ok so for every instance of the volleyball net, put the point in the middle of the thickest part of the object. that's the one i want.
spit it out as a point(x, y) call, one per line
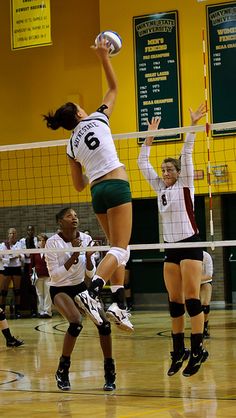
point(36, 182)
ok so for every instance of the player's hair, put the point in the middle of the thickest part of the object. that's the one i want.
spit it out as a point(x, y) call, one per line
point(43, 236)
point(61, 213)
point(176, 162)
point(65, 117)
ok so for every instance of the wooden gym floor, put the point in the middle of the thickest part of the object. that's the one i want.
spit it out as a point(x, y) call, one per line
point(28, 388)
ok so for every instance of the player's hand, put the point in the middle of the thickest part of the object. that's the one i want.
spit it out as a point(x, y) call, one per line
point(102, 48)
point(90, 253)
point(198, 114)
point(152, 126)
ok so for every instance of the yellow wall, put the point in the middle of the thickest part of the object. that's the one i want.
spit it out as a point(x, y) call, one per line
point(36, 80)
point(39, 79)
point(192, 20)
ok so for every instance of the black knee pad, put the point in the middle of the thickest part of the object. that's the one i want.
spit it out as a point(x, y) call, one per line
point(104, 329)
point(3, 293)
point(206, 309)
point(74, 329)
point(176, 309)
point(16, 292)
point(193, 307)
point(127, 286)
point(2, 315)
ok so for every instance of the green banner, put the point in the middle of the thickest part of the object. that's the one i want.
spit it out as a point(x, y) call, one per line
point(157, 70)
point(221, 23)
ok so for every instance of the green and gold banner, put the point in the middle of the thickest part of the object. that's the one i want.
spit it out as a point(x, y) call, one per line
point(30, 23)
point(157, 70)
point(221, 24)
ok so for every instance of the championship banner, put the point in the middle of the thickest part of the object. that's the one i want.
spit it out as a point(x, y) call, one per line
point(30, 23)
point(157, 70)
point(221, 24)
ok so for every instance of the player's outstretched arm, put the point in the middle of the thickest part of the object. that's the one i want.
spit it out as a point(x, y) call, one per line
point(102, 51)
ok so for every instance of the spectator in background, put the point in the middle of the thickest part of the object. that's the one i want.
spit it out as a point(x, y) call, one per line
point(12, 264)
point(206, 289)
point(30, 241)
point(41, 284)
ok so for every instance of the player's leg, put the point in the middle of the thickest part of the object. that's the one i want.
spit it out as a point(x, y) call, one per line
point(16, 280)
point(10, 340)
point(205, 296)
point(173, 283)
point(4, 286)
point(116, 224)
point(106, 346)
point(191, 271)
point(67, 308)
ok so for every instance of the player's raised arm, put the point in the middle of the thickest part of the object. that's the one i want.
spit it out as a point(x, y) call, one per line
point(102, 51)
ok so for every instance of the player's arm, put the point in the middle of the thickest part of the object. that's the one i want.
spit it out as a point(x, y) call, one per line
point(79, 179)
point(143, 159)
point(187, 169)
point(102, 51)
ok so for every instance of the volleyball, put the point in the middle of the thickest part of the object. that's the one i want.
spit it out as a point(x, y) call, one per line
point(113, 39)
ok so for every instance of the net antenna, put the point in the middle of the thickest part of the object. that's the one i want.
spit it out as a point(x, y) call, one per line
point(207, 132)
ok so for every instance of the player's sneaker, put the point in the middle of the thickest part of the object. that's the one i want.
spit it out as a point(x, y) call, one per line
point(62, 378)
point(14, 342)
point(195, 361)
point(90, 306)
point(110, 375)
point(120, 317)
point(177, 361)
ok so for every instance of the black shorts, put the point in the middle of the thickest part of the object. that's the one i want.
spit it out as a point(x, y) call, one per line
point(176, 255)
point(12, 271)
point(71, 291)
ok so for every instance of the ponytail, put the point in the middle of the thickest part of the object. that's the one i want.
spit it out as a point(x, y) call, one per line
point(66, 117)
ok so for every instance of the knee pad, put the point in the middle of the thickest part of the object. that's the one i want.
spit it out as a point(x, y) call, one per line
point(127, 286)
point(105, 328)
point(16, 292)
point(127, 257)
point(121, 255)
point(193, 307)
point(176, 309)
point(206, 309)
point(2, 315)
point(4, 293)
point(74, 329)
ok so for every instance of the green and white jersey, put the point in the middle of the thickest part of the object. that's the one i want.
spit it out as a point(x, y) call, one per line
point(92, 145)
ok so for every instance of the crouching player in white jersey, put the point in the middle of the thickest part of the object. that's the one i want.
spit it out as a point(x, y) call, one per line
point(206, 290)
point(91, 147)
point(182, 267)
point(67, 272)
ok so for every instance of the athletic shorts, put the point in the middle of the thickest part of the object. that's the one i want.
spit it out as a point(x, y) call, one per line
point(109, 194)
point(71, 291)
point(176, 255)
point(12, 271)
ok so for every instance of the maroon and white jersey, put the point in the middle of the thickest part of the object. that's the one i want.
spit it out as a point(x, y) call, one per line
point(175, 203)
point(92, 145)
